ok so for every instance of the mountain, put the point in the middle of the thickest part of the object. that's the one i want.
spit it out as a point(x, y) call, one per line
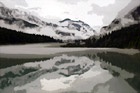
point(76, 25)
point(78, 29)
point(127, 37)
point(131, 5)
point(24, 21)
point(20, 19)
point(123, 32)
point(132, 17)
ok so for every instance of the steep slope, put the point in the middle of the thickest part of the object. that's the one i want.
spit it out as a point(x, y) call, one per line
point(128, 37)
point(123, 32)
point(132, 4)
point(82, 28)
point(132, 17)
point(76, 25)
point(19, 19)
point(26, 22)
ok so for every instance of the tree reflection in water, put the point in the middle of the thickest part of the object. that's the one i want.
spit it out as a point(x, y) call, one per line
point(88, 72)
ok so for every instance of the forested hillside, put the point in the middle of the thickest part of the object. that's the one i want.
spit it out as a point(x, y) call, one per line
point(128, 37)
point(13, 37)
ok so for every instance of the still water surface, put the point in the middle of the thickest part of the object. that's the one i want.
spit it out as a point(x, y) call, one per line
point(79, 72)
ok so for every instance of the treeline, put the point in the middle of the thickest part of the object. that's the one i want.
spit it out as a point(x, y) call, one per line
point(128, 37)
point(13, 37)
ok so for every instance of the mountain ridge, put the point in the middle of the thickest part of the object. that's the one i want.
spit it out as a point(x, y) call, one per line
point(23, 21)
point(132, 17)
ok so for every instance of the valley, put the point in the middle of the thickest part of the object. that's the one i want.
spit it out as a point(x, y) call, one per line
point(69, 46)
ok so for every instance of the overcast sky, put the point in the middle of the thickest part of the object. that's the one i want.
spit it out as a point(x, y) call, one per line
point(93, 12)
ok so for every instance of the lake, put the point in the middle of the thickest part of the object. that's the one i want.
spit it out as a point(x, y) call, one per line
point(88, 71)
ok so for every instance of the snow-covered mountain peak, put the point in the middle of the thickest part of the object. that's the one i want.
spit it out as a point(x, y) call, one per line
point(77, 25)
point(26, 22)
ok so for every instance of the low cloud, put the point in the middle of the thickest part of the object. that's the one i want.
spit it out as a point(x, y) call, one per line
point(72, 1)
point(108, 12)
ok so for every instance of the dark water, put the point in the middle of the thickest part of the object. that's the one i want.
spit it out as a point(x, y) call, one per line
point(81, 72)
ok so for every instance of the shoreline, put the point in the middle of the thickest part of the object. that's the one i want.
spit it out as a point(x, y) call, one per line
point(47, 51)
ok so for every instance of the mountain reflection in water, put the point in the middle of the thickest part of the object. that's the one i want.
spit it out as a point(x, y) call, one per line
point(83, 72)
